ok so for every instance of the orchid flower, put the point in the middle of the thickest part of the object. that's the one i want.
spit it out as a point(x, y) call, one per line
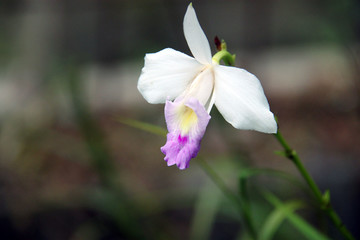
point(190, 87)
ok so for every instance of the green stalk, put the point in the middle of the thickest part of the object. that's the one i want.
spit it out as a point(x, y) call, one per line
point(323, 200)
point(292, 155)
point(224, 55)
point(246, 207)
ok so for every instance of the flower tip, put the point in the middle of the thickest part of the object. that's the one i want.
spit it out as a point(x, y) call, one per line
point(190, 10)
point(268, 125)
point(181, 167)
point(190, 7)
point(274, 131)
point(274, 128)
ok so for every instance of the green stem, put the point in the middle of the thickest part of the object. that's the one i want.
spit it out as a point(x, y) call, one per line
point(246, 206)
point(292, 155)
point(224, 55)
point(244, 211)
point(324, 203)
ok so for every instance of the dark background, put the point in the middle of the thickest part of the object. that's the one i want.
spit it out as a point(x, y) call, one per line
point(68, 71)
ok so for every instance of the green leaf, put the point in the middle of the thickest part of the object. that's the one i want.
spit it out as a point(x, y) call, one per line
point(280, 153)
point(326, 196)
point(205, 210)
point(325, 199)
point(298, 222)
point(251, 172)
point(147, 127)
point(276, 218)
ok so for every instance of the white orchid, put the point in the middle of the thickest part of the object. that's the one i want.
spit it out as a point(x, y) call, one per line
point(190, 87)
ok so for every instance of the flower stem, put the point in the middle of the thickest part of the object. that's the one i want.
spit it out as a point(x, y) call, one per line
point(244, 211)
point(292, 155)
point(323, 201)
point(224, 55)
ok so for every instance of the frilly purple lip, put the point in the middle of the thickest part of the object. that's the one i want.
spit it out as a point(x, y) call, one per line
point(180, 148)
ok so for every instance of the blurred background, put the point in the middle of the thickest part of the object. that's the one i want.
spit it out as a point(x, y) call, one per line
point(68, 72)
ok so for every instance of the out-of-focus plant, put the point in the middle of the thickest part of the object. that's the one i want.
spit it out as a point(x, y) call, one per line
point(109, 198)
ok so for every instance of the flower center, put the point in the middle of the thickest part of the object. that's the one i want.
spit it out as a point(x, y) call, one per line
point(187, 119)
point(201, 87)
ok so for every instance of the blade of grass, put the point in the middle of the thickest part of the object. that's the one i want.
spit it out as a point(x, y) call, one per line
point(147, 127)
point(205, 212)
point(230, 195)
point(276, 218)
point(244, 197)
point(244, 175)
point(306, 229)
point(251, 172)
point(116, 206)
point(101, 159)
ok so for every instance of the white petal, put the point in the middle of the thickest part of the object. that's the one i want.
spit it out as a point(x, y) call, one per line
point(201, 87)
point(240, 98)
point(211, 103)
point(166, 74)
point(195, 37)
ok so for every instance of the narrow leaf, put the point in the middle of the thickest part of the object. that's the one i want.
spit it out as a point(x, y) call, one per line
point(326, 199)
point(280, 153)
point(147, 127)
point(276, 218)
point(205, 211)
point(251, 172)
point(306, 229)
